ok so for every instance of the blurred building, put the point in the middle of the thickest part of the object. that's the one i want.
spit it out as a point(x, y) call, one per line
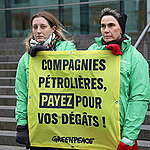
point(78, 16)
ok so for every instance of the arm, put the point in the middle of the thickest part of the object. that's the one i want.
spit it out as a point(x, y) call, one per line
point(137, 103)
point(138, 98)
point(21, 90)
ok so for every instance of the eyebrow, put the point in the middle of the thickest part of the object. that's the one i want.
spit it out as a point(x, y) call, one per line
point(106, 24)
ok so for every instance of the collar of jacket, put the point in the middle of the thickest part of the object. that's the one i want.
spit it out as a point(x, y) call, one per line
point(125, 44)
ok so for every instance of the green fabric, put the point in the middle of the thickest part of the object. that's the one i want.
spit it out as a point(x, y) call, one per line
point(134, 87)
point(21, 84)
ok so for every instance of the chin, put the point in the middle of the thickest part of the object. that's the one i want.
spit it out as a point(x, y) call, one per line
point(40, 40)
point(108, 40)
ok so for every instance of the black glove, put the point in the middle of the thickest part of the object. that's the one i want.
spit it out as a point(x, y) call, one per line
point(37, 48)
point(22, 136)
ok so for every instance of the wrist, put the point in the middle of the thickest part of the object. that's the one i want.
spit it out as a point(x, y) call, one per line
point(127, 141)
point(21, 128)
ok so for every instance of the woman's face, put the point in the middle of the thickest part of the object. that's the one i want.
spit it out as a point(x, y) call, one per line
point(110, 28)
point(41, 30)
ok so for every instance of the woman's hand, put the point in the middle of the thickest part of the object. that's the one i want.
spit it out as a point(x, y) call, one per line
point(115, 48)
point(22, 136)
point(37, 48)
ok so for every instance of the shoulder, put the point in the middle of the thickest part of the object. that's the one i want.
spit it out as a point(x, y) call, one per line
point(130, 50)
point(24, 60)
point(24, 56)
point(93, 46)
point(65, 45)
point(135, 53)
point(97, 45)
point(136, 57)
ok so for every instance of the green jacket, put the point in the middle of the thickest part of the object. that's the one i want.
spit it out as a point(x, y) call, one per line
point(134, 87)
point(21, 84)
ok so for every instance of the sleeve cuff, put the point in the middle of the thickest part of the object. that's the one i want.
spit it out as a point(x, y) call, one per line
point(127, 141)
point(22, 122)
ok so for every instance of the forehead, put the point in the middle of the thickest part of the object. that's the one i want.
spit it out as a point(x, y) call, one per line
point(109, 19)
point(39, 20)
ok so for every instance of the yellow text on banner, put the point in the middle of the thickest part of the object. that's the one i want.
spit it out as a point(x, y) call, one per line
point(73, 100)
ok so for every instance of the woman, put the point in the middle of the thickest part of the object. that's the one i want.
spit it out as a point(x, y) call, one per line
point(134, 82)
point(46, 35)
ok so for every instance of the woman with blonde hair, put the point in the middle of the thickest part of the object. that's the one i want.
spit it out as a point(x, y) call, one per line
point(46, 34)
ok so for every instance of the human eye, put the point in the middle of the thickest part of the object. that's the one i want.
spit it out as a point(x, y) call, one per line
point(111, 25)
point(43, 26)
point(34, 27)
point(102, 25)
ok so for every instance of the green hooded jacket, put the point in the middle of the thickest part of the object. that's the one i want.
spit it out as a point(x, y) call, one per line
point(21, 84)
point(134, 87)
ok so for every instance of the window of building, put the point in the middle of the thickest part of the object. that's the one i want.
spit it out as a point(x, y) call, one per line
point(78, 17)
point(20, 1)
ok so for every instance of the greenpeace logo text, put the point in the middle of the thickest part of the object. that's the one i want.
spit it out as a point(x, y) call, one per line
point(84, 140)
